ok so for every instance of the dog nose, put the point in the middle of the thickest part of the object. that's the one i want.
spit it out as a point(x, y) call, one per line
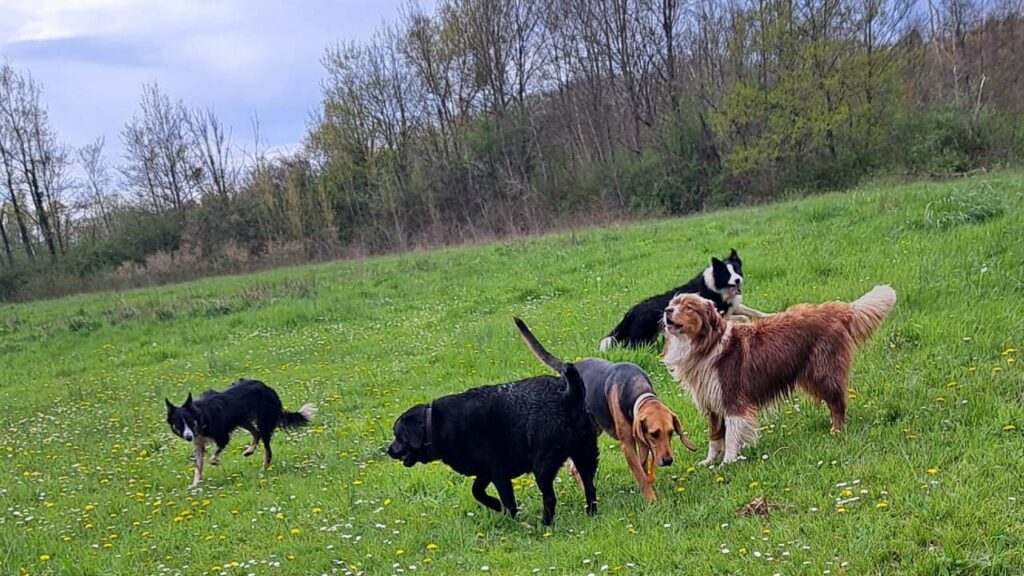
point(187, 436)
point(666, 461)
point(670, 310)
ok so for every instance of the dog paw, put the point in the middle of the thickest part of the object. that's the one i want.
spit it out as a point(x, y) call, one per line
point(248, 452)
point(214, 461)
point(591, 508)
point(707, 461)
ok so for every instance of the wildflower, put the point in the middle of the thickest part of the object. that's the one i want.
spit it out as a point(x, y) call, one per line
point(294, 531)
point(1009, 428)
point(399, 552)
point(44, 557)
point(357, 482)
point(317, 510)
point(387, 501)
point(754, 484)
point(431, 546)
point(933, 471)
point(881, 505)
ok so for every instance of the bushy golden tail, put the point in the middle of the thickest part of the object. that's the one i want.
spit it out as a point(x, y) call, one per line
point(870, 310)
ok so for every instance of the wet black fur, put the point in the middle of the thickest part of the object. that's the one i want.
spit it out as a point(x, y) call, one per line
point(248, 404)
point(497, 433)
point(641, 325)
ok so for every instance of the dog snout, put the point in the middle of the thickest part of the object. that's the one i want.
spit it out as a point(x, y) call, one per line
point(666, 461)
point(188, 436)
point(670, 310)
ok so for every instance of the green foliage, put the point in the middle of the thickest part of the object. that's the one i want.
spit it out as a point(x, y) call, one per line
point(97, 484)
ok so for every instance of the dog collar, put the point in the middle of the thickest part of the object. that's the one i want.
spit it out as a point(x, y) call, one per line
point(640, 399)
point(430, 426)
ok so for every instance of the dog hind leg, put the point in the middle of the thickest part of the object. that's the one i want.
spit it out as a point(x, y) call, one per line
point(586, 467)
point(739, 431)
point(545, 482)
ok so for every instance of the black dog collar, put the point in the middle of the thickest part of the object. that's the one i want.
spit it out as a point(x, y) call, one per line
point(430, 426)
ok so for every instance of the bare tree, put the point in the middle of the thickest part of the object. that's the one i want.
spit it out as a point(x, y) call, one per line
point(97, 198)
point(158, 165)
point(210, 142)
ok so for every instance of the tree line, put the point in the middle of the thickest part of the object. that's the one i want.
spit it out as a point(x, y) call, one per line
point(486, 118)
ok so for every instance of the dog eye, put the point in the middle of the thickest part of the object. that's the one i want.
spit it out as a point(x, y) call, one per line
point(655, 434)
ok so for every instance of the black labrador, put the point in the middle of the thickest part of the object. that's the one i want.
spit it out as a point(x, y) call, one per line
point(499, 432)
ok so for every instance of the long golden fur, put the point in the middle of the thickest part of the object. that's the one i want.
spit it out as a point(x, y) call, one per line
point(732, 370)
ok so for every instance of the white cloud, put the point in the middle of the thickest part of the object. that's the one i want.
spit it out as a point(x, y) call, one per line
point(236, 56)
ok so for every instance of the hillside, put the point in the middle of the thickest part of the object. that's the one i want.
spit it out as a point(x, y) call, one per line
point(925, 478)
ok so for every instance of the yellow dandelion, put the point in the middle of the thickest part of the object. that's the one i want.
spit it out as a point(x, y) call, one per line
point(279, 516)
point(431, 546)
point(357, 482)
point(317, 510)
point(44, 557)
point(91, 507)
point(845, 493)
point(754, 484)
point(547, 534)
point(719, 479)
point(933, 471)
point(280, 537)
point(680, 489)
point(881, 505)
point(387, 501)
point(290, 556)
point(294, 531)
point(1009, 428)
point(840, 510)
point(399, 552)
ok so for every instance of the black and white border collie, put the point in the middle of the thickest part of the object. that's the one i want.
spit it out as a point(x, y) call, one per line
point(721, 283)
point(248, 404)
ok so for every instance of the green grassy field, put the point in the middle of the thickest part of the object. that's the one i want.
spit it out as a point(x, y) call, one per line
point(925, 478)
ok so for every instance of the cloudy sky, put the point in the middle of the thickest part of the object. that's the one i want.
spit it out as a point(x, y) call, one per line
point(238, 56)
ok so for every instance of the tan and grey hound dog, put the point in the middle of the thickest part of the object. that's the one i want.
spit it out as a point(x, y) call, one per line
point(621, 401)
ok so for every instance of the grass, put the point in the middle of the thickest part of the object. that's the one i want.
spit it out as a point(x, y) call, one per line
point(925, 478)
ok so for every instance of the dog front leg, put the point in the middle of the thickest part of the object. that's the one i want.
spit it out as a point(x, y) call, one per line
point(200, 452)
point(716, 438)
point(480, 493)
point(570, 468)
point(636, 466)
point(744, 310)
point(507, 495)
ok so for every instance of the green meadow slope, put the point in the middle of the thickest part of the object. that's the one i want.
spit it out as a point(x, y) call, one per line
point(925, 478)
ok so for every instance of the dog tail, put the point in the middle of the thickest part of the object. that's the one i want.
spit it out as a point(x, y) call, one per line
point(543, 355)
point(869, 310)
point(575, 389)
point(300, 418)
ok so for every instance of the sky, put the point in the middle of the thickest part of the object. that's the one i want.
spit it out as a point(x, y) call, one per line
point(240, 57)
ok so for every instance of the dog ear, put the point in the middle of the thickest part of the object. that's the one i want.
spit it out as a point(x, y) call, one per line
point(416, 431)
point(188, 401)
point(733, 255)
point(639, 429)
point(716, 262)
point(678, 426)
point(170, 407)
point(708, 319)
